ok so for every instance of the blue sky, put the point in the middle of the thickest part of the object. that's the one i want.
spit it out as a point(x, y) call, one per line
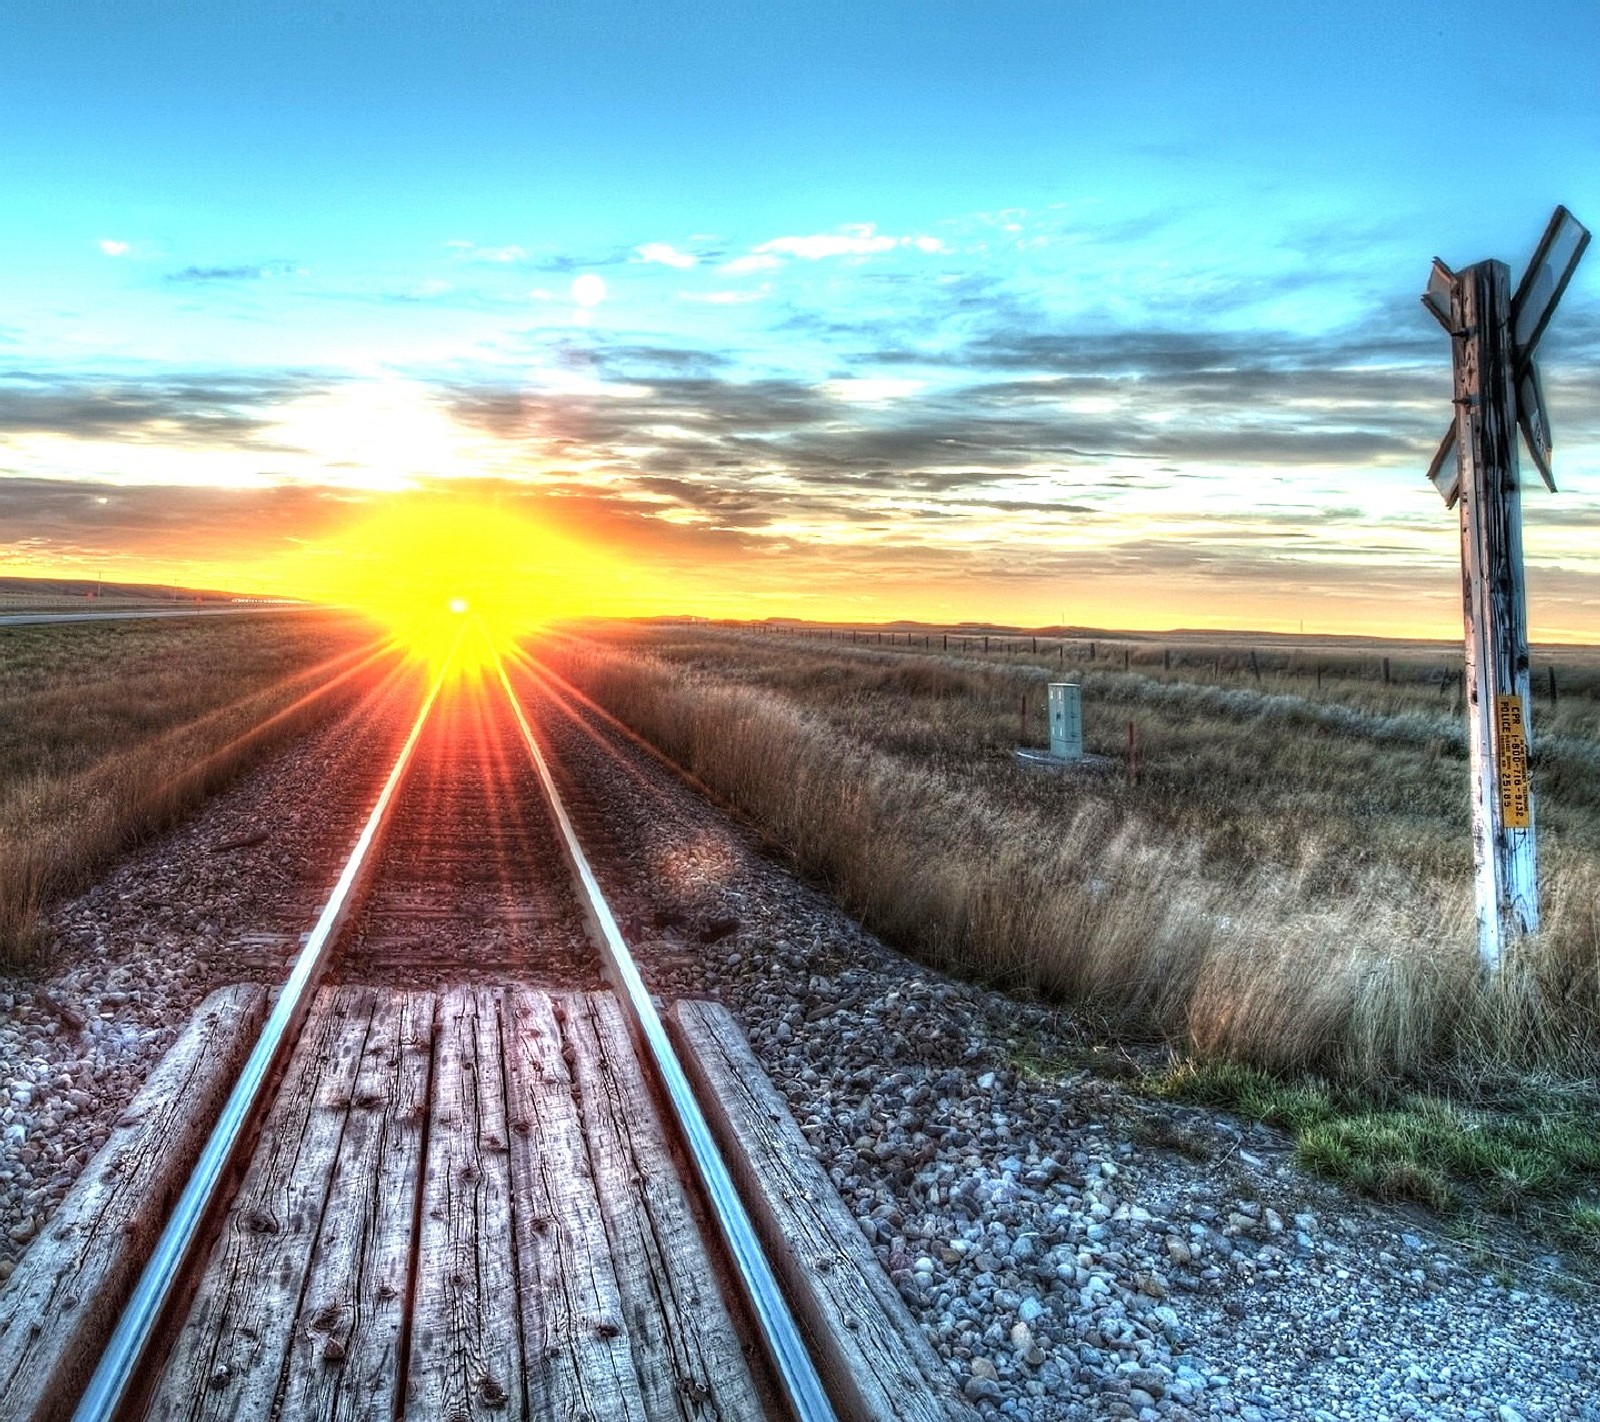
point(994, 310)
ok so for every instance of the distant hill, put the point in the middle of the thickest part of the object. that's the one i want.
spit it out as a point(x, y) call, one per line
point(91, 589)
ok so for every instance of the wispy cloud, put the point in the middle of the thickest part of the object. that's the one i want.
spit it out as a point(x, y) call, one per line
point(252, 271)
point(199, 409)
point(853, 240)
point(752, 262)
point(667, 256)
point(112, 247)
point(1022, 389)
point(76, 520)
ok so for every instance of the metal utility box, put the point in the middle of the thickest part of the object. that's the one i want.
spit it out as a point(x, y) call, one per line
point(1066, 720)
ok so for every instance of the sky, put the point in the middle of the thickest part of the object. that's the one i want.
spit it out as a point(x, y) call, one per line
point(1099, 314)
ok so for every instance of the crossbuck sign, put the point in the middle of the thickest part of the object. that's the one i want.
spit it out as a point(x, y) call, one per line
point(1493, 336)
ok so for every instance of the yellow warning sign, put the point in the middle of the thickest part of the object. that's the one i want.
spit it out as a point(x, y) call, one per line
point(1516, 809)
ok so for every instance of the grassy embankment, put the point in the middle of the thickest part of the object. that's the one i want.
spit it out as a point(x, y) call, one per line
point(1283, 893)
point(111, 730)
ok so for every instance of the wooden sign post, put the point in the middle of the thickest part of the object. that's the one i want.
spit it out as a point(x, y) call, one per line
point(1493, 335)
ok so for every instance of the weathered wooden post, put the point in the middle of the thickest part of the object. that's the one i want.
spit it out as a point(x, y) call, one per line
point(1493, 335)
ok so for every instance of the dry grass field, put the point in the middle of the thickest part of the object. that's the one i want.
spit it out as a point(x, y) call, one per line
point(1279, 888)
point(111, 730)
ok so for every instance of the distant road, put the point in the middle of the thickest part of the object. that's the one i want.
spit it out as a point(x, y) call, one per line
point(122, 614)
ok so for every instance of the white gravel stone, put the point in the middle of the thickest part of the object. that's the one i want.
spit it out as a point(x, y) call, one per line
point(1148, 1282)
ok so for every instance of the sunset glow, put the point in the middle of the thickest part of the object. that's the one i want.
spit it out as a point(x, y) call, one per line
point(838, 315)
point(425, 566)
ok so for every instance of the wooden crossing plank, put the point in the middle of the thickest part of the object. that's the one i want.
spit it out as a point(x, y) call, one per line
point(874, 1358)
point(689, 1360)
point(579, 1353)
point(466, 1344)
point(229, 1356)
point(345, 1361)
point(62, 1303)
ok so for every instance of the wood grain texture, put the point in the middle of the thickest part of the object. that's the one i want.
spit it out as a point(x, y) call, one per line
point(59, 1308)
point(345, 1361)
point(1494, 600)
point(580, 1362)
point(229, 1357)
point(876, 1363)
point(466, 1345)
point(690, 1362)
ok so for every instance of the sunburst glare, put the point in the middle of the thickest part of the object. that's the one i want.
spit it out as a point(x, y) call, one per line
point(455, 575)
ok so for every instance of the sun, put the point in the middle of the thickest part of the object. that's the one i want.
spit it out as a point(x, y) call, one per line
point(453, 576)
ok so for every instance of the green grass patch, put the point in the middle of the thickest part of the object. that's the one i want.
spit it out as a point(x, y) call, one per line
point(1533, 1154)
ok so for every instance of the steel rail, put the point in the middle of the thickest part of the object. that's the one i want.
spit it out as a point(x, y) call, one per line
point(108, 1388)
point(780, 1332)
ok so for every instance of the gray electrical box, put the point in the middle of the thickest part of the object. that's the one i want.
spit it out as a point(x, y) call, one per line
point(1066, 720)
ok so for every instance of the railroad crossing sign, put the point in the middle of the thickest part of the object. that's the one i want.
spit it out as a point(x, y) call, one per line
point(1493, 336)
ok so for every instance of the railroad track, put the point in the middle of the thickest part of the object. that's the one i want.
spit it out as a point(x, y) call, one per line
point(463, 1171)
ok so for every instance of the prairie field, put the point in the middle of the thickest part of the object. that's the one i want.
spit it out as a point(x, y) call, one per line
point(110, 730)
point(1275, 886)
point(1282, 876)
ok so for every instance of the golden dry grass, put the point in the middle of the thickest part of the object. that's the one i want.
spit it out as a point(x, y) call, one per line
point(110, 731)
point(1288, 882)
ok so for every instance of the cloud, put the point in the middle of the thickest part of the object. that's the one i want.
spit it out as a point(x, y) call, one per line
point(204, 409)
point(260, 271)
point(666, 255)
point(113, 248)
point(752, 263)
point(866, 390)
point(72, 519)
point(854, 240)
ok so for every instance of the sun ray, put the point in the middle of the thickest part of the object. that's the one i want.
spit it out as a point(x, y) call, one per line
point(455, 574)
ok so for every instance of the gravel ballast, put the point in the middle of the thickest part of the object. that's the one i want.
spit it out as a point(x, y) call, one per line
point(1070, 1248)
point(222, 898)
